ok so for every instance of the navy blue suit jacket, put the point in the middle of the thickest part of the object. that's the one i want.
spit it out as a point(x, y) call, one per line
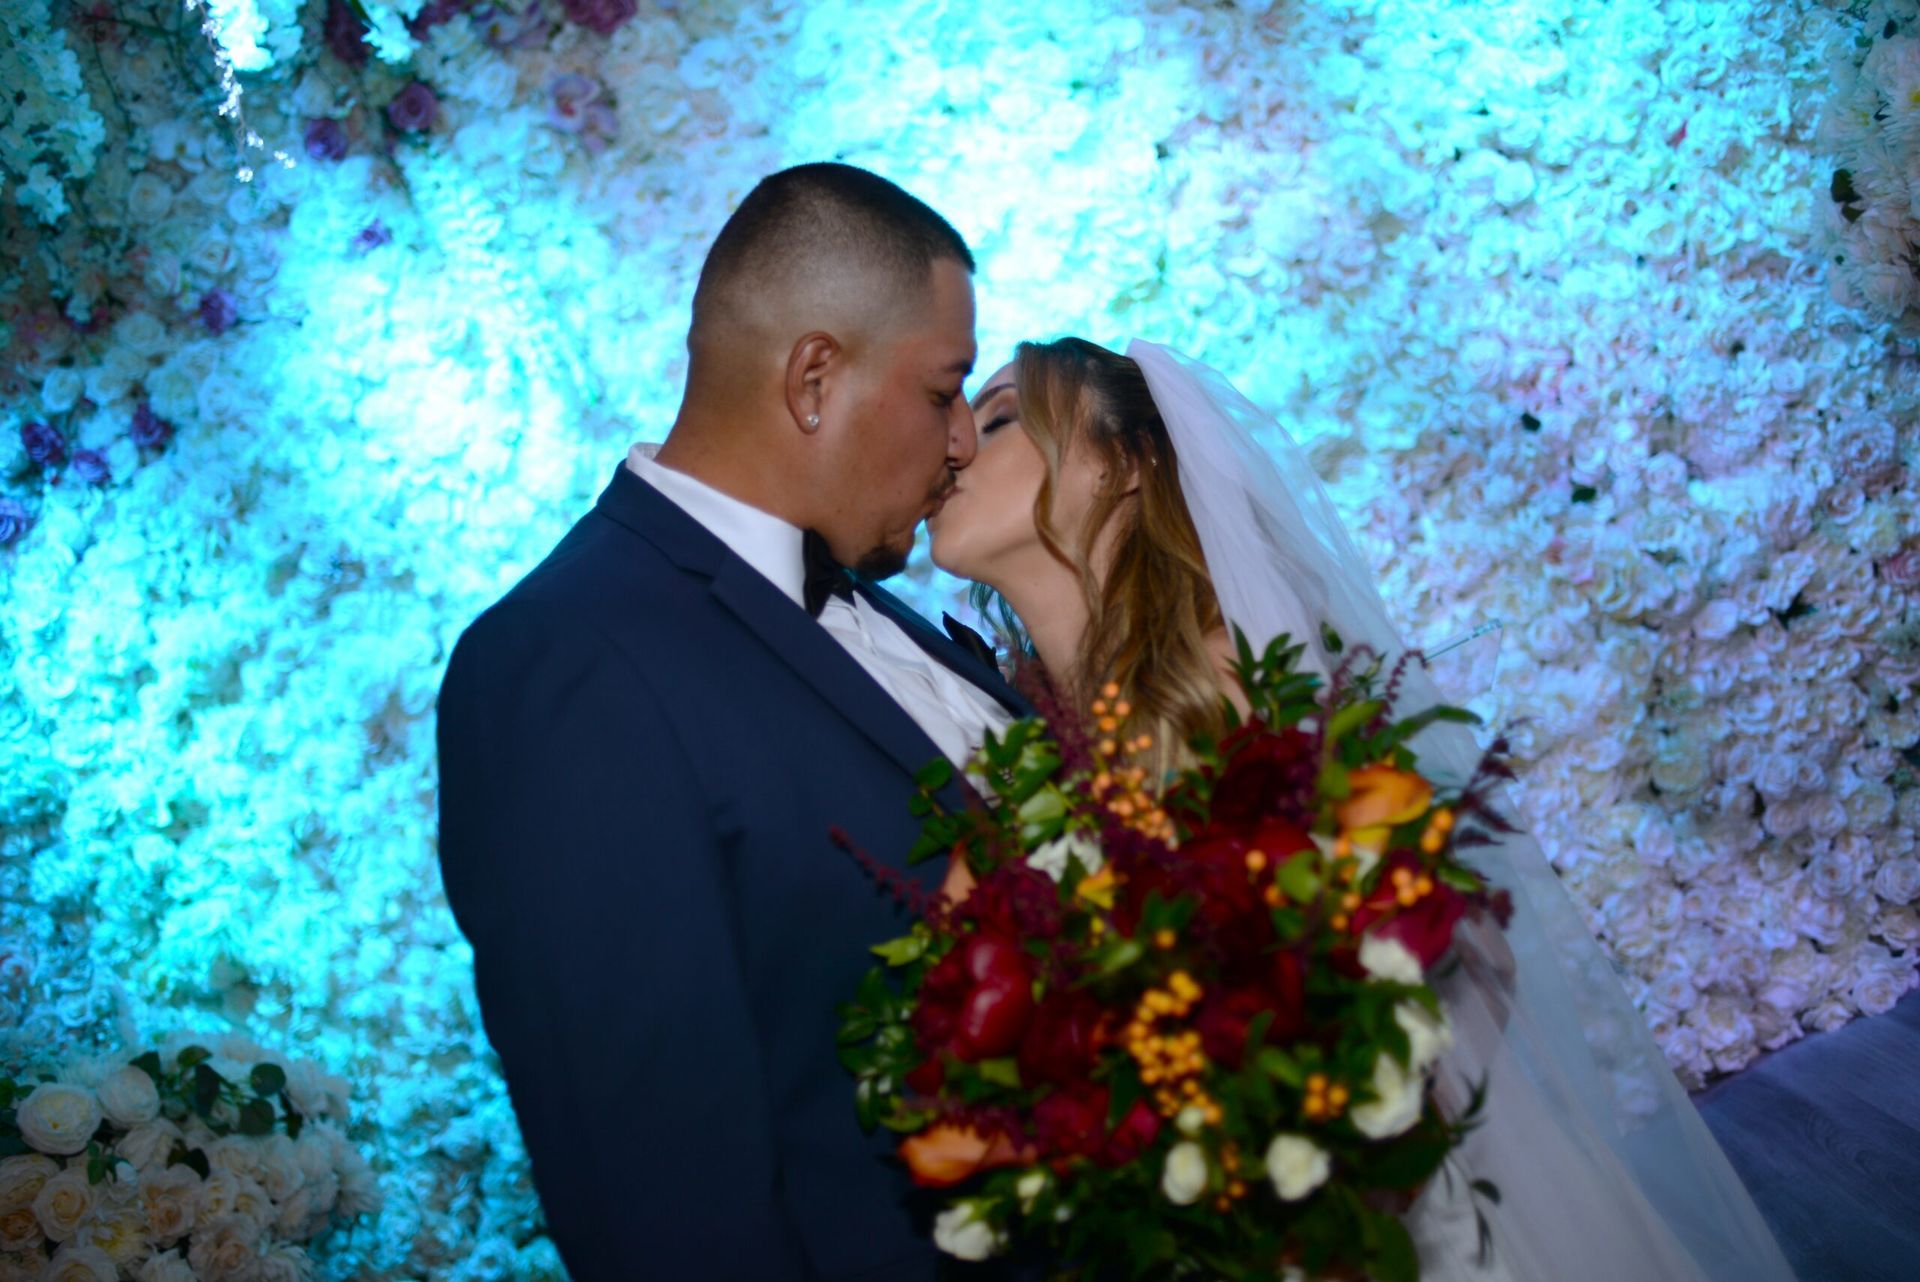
point(643, 747)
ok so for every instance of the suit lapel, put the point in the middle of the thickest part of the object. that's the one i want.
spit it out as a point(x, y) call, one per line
point(797, 640)
point(947, 651)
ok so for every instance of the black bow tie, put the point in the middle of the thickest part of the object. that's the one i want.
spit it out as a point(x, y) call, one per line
point(970, 641)
point(825, 577)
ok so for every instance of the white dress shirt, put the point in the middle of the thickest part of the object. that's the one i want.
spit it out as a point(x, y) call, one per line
point(955, 713)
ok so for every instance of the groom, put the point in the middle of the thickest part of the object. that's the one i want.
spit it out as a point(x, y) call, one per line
point(644, 745)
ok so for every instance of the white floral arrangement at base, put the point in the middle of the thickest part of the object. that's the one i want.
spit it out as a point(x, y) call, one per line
point(188, 1165)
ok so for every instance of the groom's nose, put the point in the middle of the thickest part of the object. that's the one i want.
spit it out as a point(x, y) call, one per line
point(962, 441)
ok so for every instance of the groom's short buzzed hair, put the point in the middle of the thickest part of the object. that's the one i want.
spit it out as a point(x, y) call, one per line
point(819, 220)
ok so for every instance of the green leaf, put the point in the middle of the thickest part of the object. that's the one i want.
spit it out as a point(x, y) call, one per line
point(1297, 877)
point(1406, 1162)
point(935, 775)
point(96, 1170)
point(194, 1055)
point(1281, 1067)
point(148, 1063)
point(901, 951)
point(1331, 639)
point(206, 1088)
point(1393, 1258)
point(268, 1079)
point(1842, 188)
point(192, 1158)
point(294, 1120)
point(1117, 955)
point(1001, 1072)
point(1333, 782)
point(1350, 718)
point(7, 1091)
point(11, 1145)
point(256, 1117)
point(1584, 494)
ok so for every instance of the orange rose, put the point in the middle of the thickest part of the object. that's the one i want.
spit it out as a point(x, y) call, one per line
point(945, 1154)
point(1381, 797)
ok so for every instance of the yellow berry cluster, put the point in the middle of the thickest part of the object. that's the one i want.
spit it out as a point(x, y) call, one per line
point(1410, 888)
point(1124, 788)
point(1325, 1099)
point(1236, 1187)
point(1171, 1063)
point(1439, 824)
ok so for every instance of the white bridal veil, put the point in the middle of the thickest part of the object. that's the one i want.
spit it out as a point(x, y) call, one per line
point(1605, 1170)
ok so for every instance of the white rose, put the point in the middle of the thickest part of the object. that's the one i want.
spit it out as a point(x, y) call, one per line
point(236, 1155)
point(1297, 1166)
point(1395, 1105)
point(1030, 1186)
point(170, 1199)
point(128, 1097)
point(961, 1233)
point(170, 1266)
point(280, 1168)
point(227, 1194)
point(149, 1144)
point(1389, 960)
point(1879, 987)
point(227, 1248)
point(1429, 1036)
point(59, 1118)
point(1898, 881)
point(1184, 1177)
point(316, 1093)
point(148, 199)
point(284, 1263)
point(76, 1263)
point(1051, 858)
point(120, 1231)
point(22, 1268)
point(61, 390)
point(359, 1187)
point(63, 1202)
point(21, 1179)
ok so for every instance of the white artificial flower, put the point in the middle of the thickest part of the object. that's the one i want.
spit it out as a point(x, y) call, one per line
point(1297, 1166)
point(58, 1118)
point(225, 1249)
point(284, 1262)
point(1184, 1177)
point(169, 1266)
point(1397, 1097)
point(170, 1199)
point(77, 1263)
point(1030, 1186)
point(148, 1145)
point(21, 1179)
point(63, 1202)
point(129, 1097)
point(1051, 857)
point(962, 1233)
point(118, 1228)
point(1389, 960)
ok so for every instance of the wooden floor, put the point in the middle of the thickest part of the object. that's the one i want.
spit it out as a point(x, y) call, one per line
point(1826, 1133)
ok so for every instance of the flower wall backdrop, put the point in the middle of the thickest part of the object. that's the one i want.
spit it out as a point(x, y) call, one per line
point(1591, 313)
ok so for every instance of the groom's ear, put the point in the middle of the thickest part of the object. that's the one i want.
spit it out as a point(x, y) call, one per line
point(810, 364)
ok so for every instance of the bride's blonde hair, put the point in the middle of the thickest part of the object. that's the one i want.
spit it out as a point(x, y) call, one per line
point(1150, 618)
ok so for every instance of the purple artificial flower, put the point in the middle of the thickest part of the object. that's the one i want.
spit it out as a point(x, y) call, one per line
point(326, 140)
point(603, 16)
point(218, 311)
point(413, 108)
point(569, 97)
point(345, 34)
point(374, 235)
point(150, 431)
point(91, 467)
point(14, 521)
point(505, 29)
point(44, 444)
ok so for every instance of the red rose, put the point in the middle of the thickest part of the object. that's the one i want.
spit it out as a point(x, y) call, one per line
point(1071, 1123)
point(1136, 1131)
point(928, 1078)
point(1224, 1018)
point(1015, 901)
point(1061, 1041)
point(1268, 773)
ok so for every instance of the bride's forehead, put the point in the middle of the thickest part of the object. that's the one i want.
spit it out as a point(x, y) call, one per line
point(997, 383)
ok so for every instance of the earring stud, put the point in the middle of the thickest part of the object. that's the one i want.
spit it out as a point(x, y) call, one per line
point(813, 420)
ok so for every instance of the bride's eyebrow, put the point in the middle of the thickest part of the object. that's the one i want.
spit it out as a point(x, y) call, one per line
point(990, 393)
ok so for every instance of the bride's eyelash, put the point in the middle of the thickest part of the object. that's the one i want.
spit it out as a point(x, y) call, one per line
point(994, 425)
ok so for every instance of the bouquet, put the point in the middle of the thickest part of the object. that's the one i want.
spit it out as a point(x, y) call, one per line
point(1185, 1030)
point(191, 1164)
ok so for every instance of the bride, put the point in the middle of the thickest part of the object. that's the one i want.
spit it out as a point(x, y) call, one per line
point(1129, 510)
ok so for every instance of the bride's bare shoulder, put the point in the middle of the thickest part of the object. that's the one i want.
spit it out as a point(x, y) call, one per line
point(1220, 646)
